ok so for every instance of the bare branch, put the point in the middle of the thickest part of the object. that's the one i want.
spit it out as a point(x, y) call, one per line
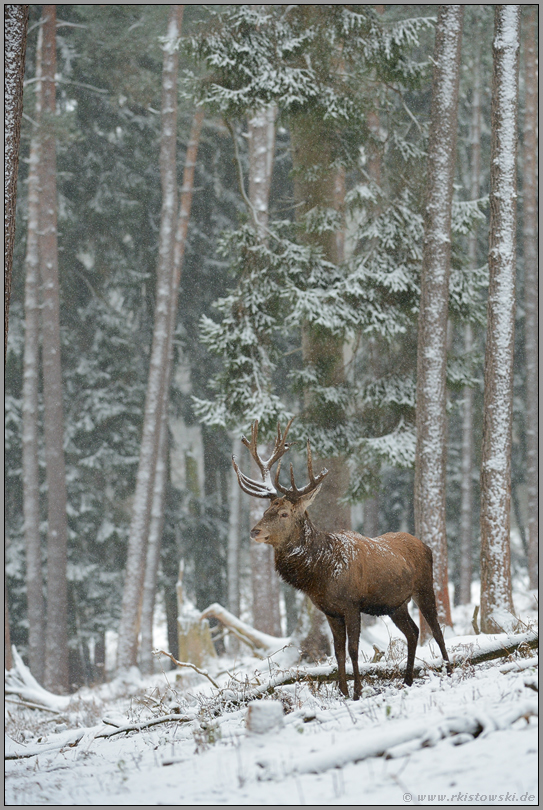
point(189, 665)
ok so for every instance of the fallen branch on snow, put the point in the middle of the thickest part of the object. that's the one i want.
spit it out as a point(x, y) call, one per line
point(383, 742)
point(177, 663)
point(260, 643)
point(19, 681)
point(95, 733)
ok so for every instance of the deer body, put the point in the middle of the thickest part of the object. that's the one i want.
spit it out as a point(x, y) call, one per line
point(345, 573)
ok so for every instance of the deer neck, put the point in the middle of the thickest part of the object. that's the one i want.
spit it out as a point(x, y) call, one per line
point(297, 560)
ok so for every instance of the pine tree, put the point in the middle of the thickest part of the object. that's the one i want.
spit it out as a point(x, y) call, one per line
point(432, 335)
point(30, 437)
point(56, 634)
point(463, 592)
point(496, 597)
point(531, 288)
point(15, 28)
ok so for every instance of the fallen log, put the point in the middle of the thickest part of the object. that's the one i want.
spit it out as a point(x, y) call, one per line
point(482, 648)
point(386, 740)
point(260, 643)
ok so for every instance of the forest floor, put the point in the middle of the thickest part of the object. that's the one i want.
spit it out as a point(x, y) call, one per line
point(469, 738)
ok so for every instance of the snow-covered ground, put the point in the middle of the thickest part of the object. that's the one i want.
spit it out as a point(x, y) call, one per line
point(467, 739)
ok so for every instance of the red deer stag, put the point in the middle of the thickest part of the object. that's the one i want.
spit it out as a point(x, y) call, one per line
point(343, 573)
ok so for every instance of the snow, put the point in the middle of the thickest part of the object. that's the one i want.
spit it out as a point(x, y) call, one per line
point(468, 738)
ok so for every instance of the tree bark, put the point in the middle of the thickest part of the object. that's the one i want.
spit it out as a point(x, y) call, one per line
point(135, 566)
point(264, 579)
point(232, 557)
point(15, 28)
point(152, 561)
point(157, 508)
point(466, 502)
point(431, 421)
point(31, 493)
point(316, 186)
point(56, 636)
point(496, 598)
point(531, 291)
point(466, 494)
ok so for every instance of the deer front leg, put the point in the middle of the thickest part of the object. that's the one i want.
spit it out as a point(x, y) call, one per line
point(339, 634)
point(352, 621)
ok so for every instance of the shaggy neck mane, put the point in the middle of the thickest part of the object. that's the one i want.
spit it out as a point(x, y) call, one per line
point(297, 560)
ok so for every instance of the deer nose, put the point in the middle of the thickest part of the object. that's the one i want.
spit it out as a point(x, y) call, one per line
point(255, 533)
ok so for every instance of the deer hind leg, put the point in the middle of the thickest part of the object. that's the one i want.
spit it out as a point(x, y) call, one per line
point(405, 623)
point(352, 622)
point(427, 606)
point(339, 634)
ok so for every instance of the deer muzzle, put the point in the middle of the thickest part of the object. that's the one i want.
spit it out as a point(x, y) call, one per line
point(256, 535)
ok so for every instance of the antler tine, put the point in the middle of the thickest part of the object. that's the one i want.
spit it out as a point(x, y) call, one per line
point(258, 489)
point(252, 446)
point(310, 462)
point(281, 446)
point(294, 494)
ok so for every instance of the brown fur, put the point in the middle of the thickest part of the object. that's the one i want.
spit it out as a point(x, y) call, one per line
point(345, 574)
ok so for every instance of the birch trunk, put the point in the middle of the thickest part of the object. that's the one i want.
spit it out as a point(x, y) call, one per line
point(531, 291)
point(31, 492)
point(15, 27)
point(56, 636)
point(430, 459)
point(157, 508)
point(264, 579)
point(137, 545)
point(496, 598)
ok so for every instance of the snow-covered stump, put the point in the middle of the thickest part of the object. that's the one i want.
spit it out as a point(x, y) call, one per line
point(264, 716)
point(193, 632)
point(194, 639)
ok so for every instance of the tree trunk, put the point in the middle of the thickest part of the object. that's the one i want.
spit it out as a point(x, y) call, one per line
point(496, 598)
point(531, 289)
point(152, 561)
point(316, 186)
point(139, 528)
point(371, 516)
point(232, 558)
point(463, 597)
point(466, 505)
point(31, 482)
point(430, 459)
point(157, 508)
point(264, 579)
point(56, 636)
point(15, 28)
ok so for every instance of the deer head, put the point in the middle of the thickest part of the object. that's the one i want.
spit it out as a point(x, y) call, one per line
point(280, 519)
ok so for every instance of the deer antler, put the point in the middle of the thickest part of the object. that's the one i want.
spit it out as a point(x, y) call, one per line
point(264, 488)
point(294, 494)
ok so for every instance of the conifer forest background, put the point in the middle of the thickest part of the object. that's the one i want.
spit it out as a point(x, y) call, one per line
point(230, 206)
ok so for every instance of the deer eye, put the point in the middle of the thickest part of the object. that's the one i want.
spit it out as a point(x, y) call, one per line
point(283, 514)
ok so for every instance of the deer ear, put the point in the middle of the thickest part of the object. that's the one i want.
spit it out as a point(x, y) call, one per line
point(308, 499)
